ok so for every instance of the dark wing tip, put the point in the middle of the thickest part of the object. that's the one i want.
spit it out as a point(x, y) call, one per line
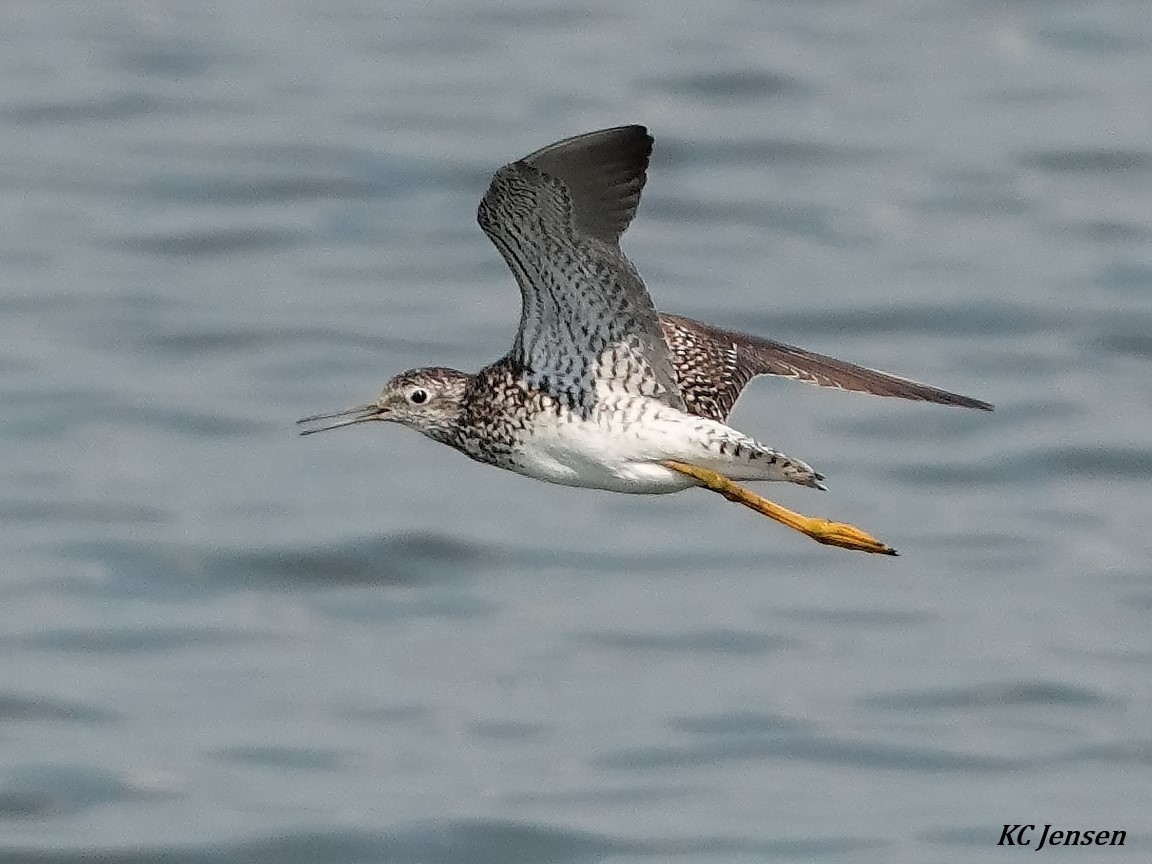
point(763, 356)
point(969, 402)
point(812, 368)
point(602, 145)
point(604, 173)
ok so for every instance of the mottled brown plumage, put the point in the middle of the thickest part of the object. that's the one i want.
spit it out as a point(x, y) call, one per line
point(714, 365)
point(598, 389)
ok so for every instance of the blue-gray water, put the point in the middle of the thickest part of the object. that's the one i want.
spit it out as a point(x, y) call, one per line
point(223, 643)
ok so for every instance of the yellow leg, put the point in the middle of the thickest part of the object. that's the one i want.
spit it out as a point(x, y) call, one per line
point(820, 530)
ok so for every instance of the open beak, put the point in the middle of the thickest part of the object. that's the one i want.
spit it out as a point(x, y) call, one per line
point(359, 414)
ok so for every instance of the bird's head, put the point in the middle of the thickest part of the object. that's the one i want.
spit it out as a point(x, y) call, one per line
point(428, 400)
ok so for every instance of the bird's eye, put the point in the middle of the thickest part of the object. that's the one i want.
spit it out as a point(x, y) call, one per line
point(418, 396)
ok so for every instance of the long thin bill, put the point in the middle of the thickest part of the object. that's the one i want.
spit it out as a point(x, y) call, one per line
point(363, 414)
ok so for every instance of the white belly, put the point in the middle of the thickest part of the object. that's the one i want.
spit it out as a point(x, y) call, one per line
point(622, 446)
point(601, 454)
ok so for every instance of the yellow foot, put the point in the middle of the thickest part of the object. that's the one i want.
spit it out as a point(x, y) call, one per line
point(821, 530)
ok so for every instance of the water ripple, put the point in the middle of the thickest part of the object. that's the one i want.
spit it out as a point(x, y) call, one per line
point(696, 641)
point(124, 106)
point(17, 707)
point(941, 319)
point(1091, 462)
point(487, 841)
point(807, 748)
point(398, 560)
point(100, 512)
point(285, 758)
point(995, 695)
point(404, 559)
point(50, 791)
point(738, 723)
point(1137, 752)
point(742, 84)
point(1090, 161)
point(132, 640)
point(1126, 344)
point(685, 153)
point(212, 242)
point(880, 619)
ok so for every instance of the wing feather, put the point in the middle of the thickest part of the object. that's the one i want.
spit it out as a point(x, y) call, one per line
point(714, 365)
point(586, 318)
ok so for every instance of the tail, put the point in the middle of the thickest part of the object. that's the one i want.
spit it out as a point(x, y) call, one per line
point(740, 457)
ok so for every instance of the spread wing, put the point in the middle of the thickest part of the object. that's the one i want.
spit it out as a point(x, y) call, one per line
point(713, 366)
point(586, 320)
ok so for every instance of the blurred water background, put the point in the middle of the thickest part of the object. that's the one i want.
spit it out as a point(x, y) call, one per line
point(224, 643)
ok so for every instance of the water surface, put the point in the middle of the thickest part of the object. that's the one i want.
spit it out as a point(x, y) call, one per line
point(224, 643)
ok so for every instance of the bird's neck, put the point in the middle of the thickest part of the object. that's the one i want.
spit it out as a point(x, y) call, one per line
point(446, 429)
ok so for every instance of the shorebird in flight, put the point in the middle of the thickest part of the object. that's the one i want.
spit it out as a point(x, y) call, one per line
point(599, 389)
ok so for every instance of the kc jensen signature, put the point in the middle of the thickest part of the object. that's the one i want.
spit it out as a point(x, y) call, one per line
point(1018, 835)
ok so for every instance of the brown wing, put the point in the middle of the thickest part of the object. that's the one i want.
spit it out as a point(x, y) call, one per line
point(713, 366)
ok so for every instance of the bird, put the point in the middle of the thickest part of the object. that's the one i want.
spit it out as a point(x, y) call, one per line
point(599, 390)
